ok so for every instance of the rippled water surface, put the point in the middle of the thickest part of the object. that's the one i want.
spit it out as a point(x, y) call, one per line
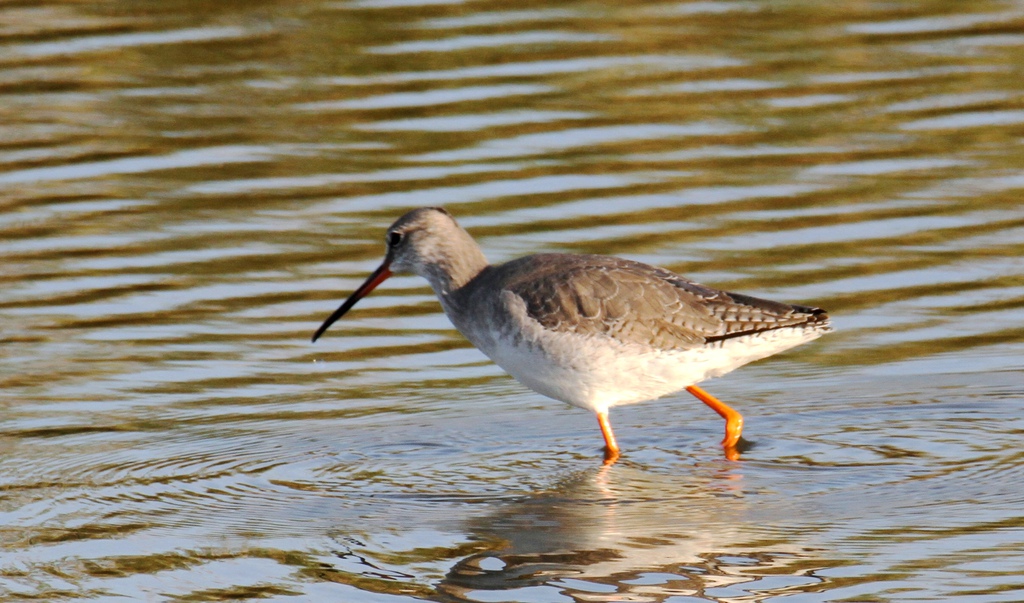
point(188, 188)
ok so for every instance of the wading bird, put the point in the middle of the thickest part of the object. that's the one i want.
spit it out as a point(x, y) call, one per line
point(590, 330)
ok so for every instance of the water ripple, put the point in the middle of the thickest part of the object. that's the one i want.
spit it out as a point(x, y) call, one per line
point(129, 40)
point(191, 190)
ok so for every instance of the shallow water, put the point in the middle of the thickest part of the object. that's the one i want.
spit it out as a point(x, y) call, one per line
point(190, 188)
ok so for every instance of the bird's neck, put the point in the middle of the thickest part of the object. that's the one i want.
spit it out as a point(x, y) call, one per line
point(455, 270)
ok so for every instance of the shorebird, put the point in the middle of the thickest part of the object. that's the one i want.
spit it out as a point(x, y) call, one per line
point(590, 330)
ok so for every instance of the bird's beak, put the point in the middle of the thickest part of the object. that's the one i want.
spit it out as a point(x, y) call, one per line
point(379, 276)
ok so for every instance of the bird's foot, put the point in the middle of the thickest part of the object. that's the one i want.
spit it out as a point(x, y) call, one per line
point(610, 456)
point(734, 446)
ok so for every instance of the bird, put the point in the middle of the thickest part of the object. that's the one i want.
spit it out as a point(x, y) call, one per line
point(593, 331)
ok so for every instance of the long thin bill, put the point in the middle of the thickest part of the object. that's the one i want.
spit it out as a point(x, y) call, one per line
point(379, 276)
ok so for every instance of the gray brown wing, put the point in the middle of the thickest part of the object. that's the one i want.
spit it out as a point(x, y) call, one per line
point(637, 303)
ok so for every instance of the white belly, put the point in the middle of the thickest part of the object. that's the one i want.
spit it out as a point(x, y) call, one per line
point(597, 374)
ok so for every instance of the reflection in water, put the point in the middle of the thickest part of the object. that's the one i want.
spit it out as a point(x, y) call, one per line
point(661, 526)
point(185, 187)
point(591, 538)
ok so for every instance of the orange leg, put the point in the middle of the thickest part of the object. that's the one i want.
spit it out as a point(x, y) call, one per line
point(733, 420)
point(611, 449)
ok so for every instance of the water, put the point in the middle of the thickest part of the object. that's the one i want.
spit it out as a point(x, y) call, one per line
point(190, 188)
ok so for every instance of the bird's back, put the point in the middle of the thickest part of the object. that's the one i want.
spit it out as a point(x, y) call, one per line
point(635, 303)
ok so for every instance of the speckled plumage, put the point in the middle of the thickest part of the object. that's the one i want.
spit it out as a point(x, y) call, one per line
point(637, 303)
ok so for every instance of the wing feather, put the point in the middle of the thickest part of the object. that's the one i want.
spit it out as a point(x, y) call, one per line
point(636, 303)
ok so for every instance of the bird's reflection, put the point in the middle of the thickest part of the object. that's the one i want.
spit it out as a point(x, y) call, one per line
point(621, 531)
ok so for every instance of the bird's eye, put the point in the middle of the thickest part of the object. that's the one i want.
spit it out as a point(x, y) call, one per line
point(394, 238)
